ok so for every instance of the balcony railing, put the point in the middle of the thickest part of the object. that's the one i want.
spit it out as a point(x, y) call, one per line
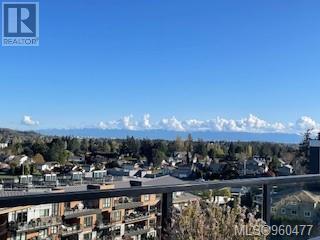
point(75, 213)
point(167, 191)
point(35, 225)
point(103, 225)
point(136, 217)
point(136, 231)
point(70, 230)
point(127, 203)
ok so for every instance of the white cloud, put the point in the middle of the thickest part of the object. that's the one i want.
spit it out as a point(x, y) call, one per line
point(102, 125)
point(128, 122)
point(27, 120)
point(306, 122)
point(194, 124)
point(222, 124)
point(146, 124)
point(251, 123)
point(171, 124)
point(278, 126)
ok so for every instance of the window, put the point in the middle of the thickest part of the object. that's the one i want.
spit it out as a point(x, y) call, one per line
point(50, 178)
point(77, 176)
point(293, 212)
point(273, 209)
point(44, 212)
point(106, 202)
point(152, 223)
point(146, 197)
point(116, 231)
point(22, 217)
point(116, 216)
point(88, 221)
point(30, 179)
point(283, 211)
point(307, 213)
point(43, 233)
point(99, 174)
point(87, 236)
point(54, 230)
point(55, 209)
point(21, 236)
point(67, 205)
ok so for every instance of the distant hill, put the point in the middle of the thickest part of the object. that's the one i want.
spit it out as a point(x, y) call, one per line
point(6, 133)
point(171, 135)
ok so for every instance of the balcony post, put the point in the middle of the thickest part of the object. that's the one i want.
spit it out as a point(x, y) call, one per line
point(166, 208)
point(266, 205)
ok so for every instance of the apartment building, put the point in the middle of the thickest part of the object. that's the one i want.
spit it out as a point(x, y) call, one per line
point(30, 222)
point(135, 218)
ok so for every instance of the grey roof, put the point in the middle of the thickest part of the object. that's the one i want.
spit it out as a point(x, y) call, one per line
point(159, 181)
point(75, 188)
point(164, 180)
point(185, 197)
point(19, 193)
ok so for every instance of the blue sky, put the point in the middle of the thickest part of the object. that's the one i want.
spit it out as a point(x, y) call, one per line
point(103, 60)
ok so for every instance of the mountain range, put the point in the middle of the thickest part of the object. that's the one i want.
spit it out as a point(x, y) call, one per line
point(171, 135)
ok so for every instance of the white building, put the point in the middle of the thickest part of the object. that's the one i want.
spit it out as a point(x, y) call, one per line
point(4, 145)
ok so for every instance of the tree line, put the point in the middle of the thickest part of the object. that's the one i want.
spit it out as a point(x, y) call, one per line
point(60, 149)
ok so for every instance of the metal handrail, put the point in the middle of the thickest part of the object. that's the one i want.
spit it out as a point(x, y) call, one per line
point(55, 197)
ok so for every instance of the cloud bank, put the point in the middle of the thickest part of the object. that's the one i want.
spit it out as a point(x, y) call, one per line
point(28, 121)
point(250, 123)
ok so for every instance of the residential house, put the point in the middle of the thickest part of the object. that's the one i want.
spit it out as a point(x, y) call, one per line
point(47, 166)
point(252, 167)
point(298, 206)
point(285, 169)
point(183, 199)
point(18, 160)
point(183, 172)
point(4, 145)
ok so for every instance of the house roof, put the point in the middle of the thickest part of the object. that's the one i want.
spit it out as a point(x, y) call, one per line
point(185, 197)
point(164, 180)
point(299, 196)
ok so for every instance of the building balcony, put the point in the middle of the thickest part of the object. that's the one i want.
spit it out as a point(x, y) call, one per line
point(68, 230)
point(34, 225)
point(127, 202)
point(136, 217)
point(154, 210)
point(75, 213)
point(103, 225)
point(127, 205)
point(136, 231)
